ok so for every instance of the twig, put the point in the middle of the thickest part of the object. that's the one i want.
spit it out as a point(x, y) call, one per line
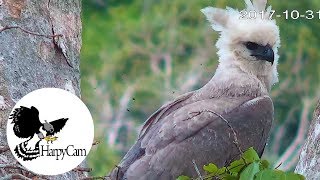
point(196, 168)
point(80, 169)
point(278, 166)
point(29, 32)
point(95, 143)
point(4, 149)
point(236, 142)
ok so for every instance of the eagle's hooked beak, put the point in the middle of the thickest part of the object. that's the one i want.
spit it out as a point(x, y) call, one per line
point(264, 53)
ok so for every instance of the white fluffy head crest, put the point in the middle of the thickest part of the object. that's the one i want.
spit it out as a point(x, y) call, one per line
point(223, 18)
point(251, 24)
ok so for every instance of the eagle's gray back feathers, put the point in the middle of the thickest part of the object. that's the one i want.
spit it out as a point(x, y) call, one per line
point(190, 131)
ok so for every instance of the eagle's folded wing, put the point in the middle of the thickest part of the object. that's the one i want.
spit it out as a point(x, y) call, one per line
point(193, 131)
point(164, 110)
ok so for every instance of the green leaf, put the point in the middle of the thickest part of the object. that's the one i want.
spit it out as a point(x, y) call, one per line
point(221, 170)
point(230, 177)
point(249, 172)
point(269, 174)
point(183, 178)
point(250, 155)
point(236, 166)
point(294, 176)
point(210, 168)
point(264, 164)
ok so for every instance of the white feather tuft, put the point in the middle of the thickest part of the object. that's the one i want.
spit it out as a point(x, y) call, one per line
point(268, 13)
point(217, 17)
point(260, 5)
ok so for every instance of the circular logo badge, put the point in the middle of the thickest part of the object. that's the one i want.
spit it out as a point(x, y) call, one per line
point(50, 131)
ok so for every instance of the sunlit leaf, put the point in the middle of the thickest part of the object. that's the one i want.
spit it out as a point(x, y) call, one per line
point(269, 174)
point(264, 164)
point(294, 176)
point(222, 170)
point(250, 155)
point(249, 172)
point(210, 168)
point(236, 166)
point(183, 178)
point(230, 177)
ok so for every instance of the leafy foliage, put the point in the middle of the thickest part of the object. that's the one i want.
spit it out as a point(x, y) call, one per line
point(248, 167)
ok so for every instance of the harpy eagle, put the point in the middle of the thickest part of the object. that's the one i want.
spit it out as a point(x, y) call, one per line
point(195, 127)
point(26, 124)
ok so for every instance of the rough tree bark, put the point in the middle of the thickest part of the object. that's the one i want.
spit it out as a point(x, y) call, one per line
point(309, 162)
point(40, 45)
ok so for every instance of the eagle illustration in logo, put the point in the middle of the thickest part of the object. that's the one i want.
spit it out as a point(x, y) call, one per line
point(26, 124)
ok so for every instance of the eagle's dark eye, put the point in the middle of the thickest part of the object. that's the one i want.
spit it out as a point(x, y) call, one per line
point(251, 45)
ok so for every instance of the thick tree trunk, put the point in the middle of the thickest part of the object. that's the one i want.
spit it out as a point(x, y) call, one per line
point(40, 45)
point(309, 162)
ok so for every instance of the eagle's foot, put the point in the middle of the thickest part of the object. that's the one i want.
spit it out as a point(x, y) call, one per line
point(50, 139)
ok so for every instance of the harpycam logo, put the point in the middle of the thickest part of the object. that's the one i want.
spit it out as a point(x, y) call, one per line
point(50, 131)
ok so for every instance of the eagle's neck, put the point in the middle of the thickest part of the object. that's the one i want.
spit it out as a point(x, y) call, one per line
point(234, 83)
point(266, 81)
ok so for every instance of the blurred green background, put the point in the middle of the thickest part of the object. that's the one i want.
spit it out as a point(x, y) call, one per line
point(139, 54)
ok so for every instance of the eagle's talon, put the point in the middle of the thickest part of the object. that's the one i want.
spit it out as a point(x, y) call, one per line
point(50, 139)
